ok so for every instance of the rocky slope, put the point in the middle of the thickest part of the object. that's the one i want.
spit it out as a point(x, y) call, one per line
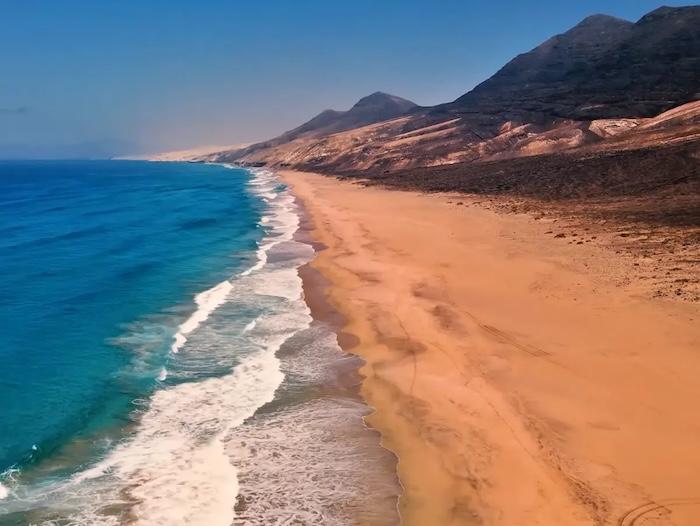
point(398, 144)
point(597, 83)
point(370, 109)
point(604, 67)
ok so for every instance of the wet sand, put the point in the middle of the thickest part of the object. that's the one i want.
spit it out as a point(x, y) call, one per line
point(514, 378)
point(306, 457)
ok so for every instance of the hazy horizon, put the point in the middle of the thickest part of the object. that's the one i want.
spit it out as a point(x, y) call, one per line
point(95, 81)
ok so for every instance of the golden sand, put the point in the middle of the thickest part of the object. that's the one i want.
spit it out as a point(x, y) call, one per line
point(515, 383)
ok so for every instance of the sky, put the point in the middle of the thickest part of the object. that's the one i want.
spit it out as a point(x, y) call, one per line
point(95, 79)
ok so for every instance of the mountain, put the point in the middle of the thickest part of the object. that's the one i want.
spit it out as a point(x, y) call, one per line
point(532, 83)
point(603, 67)
point(373, 108)
point(594, 83)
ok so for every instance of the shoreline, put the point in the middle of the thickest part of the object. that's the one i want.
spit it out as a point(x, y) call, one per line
point(272, 428)
point(320, 461)
point(346, 371)
point(480, 362)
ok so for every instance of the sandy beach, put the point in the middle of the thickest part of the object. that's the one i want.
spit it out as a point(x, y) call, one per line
point(518, 381)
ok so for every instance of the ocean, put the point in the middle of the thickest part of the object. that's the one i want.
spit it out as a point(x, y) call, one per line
point(159, 363)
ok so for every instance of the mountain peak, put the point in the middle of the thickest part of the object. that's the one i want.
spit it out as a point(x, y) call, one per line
point(377, 95)
point(595, 30)
point(381, 99)
point(603, 67)
point(598, 20)
point(666, 12)
point(548, 65)
point(376, 107)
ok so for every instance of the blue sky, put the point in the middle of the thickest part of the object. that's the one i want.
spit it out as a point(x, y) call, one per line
point(99, 78)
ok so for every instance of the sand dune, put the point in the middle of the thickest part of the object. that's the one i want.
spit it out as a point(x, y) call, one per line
point(516, 382)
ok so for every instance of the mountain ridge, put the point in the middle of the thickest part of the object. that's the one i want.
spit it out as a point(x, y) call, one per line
point(599, 79)
point(376, 107)
point(603, 67)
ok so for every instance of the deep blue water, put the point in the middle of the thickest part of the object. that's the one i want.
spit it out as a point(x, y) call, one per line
point(90, 253)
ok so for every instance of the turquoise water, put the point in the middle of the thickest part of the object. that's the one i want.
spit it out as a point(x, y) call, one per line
point(99, 263)
point(90, 251)
point(159, 364)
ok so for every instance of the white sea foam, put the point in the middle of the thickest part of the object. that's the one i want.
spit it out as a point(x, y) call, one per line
point(284, 217)
point(314, 463)
point(249, 326)
point(206, 302)
point(173, 469)
point(8, 480)
point(175, 466)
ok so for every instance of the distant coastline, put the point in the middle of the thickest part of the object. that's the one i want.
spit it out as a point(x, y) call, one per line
point(188, 154)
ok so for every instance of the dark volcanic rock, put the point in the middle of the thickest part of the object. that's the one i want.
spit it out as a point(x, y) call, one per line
point(602, 68)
